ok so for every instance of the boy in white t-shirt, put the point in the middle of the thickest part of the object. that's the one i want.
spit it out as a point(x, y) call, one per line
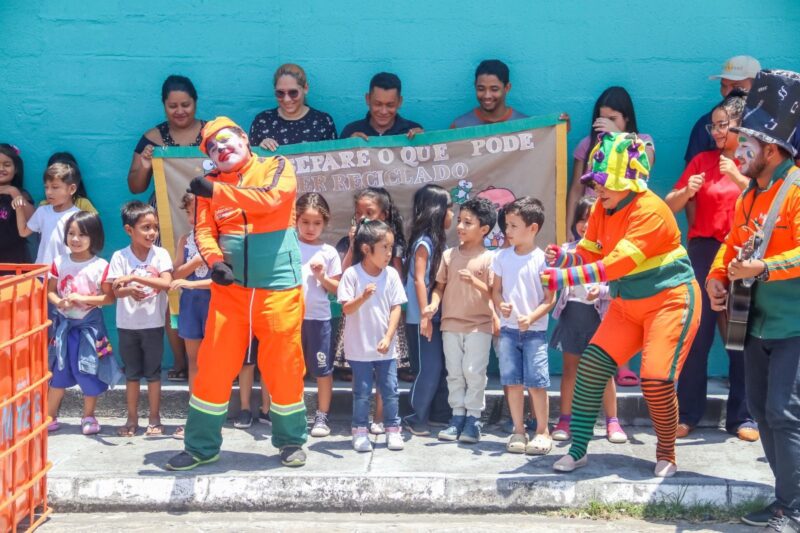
point(523, 305)
point(141, 275)
point(60, 185)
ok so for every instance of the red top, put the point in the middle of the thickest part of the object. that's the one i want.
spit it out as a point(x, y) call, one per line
point(715, 200)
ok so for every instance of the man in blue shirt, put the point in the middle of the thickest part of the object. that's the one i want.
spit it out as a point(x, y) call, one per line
point(737, 73)
point(383, 100)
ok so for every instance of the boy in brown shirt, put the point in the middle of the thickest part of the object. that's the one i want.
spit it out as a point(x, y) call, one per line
point(463, 285)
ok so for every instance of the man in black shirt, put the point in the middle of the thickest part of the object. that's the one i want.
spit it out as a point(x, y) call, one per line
point(384, 101)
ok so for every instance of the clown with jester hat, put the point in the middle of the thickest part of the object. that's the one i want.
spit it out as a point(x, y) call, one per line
point(632, 242)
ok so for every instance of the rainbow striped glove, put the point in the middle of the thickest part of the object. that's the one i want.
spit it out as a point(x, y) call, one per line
point(558, 278)
point(562, 258)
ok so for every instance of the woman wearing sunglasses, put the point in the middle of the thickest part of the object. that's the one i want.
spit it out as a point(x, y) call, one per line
point(707, 190)
point(293, 121)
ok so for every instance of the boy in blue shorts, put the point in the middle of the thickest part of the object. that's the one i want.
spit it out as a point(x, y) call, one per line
point(523, 305)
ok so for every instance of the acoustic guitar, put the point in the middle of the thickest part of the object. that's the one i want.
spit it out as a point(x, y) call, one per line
point(739, 298)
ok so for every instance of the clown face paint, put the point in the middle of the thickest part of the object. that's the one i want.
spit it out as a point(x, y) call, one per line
point(748, 153)
point(228, 149)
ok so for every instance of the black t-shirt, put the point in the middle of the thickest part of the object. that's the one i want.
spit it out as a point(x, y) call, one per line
point(166, 138)
point(313, 126)
point(401, 126)
point(13, 248)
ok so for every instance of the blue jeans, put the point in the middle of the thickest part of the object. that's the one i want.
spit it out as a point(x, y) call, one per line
point(386, 374)
point(429, 392)
point(772, 373)
point(523, 358)
point(693, 381)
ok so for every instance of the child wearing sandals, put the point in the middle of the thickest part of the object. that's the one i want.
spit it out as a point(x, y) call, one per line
point(140, 275)
point(579, 311)
point(523, 304)
point(193, 278)
point(80, 353)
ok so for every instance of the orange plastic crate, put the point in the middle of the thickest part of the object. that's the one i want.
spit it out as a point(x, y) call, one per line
point(24, 377)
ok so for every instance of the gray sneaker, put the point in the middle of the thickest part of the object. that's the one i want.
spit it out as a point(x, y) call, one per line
point(243, 420)
point(781, 523)
point(293, 456)
point(471, 432)
point(320, 427)
point(760, 517)
point(451, 432)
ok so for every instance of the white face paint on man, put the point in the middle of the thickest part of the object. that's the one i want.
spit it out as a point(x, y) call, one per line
point(748, 153)
point(228, 149)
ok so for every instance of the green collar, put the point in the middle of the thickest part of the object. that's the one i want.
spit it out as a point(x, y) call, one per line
point(624, 202)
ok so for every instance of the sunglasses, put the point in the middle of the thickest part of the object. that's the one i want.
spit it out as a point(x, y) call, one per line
point(292, 93)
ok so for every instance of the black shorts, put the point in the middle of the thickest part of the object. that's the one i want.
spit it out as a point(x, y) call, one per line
point(251, 354)
point(141, 351)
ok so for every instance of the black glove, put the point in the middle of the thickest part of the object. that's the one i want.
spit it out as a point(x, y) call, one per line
point(201, 186)
point(221, 273)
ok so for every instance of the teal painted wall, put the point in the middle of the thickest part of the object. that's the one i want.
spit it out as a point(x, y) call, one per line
point(86, 76)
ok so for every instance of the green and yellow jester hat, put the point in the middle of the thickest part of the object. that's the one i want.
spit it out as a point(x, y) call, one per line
point(618, 162)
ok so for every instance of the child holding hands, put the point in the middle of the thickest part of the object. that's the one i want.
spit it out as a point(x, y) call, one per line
point(140, 276)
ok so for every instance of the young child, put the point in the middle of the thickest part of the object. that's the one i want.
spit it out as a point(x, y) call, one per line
point(322, 270)
point(579, 310)
point(81, 197)
point(371, 296)
point(433, 215)
point(375, 203)
point(80, 352)
point(193, 278)
point(523, 305)
point(13, 247)
point(60, 185)
point(463, 286)
point(140, 276)
point(506, 424)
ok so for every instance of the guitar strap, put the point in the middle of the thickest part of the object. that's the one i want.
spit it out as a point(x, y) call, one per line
point(772, 217)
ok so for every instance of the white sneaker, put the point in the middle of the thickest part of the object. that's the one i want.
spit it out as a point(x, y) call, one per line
point(376, 428)
point(665, 469)
point(394, 439)
point(361, 442)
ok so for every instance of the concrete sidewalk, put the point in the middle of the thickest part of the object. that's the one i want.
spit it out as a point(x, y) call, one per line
point(109, 473)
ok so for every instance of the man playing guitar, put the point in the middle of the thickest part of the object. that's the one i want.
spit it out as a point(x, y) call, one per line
point(772, 345)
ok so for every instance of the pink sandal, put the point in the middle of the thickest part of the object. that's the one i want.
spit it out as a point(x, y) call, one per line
point(53, 426)
point(614, 432)
point(626, 378)
point(90, 426)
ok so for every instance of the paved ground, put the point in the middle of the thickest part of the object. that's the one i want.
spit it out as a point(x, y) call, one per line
point(351, 522)
point(109, 473)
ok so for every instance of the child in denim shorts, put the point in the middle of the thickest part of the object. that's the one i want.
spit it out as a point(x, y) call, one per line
point(523, 305)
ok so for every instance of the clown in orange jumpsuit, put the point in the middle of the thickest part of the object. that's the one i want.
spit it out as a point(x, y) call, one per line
point(633, 242)
point(245, 232)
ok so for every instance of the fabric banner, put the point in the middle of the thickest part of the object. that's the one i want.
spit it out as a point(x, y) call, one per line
point(499, 162)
